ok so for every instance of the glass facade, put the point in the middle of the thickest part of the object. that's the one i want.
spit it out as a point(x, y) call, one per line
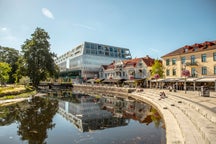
point(105, 50)
point(88, 58)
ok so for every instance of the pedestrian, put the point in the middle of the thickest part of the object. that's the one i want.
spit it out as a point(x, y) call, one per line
point(162, 95)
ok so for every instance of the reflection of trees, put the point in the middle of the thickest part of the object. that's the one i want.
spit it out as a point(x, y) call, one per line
point(130, 109)
point(153, 116)
point(36, 119)
point(7, 115)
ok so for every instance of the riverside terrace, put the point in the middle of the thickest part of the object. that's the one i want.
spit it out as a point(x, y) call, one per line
point(189, 118)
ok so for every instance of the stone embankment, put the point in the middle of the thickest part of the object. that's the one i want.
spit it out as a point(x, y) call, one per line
point(189, 118)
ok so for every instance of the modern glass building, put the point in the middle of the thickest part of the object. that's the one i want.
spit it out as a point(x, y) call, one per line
point(85, 60)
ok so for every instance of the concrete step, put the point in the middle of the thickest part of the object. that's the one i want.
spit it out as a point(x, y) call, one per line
point(206, 127)
point(204, 108)
point(173, 131)
point(189, 131)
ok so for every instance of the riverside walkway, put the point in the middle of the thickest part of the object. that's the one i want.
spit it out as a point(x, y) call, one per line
point(189, 118)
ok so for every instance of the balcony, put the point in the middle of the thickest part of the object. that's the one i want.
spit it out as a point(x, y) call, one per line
point(191, 64)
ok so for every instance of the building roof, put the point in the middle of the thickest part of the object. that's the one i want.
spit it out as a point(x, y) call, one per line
point(197, 47)
point(132, 62)
point(148, 61)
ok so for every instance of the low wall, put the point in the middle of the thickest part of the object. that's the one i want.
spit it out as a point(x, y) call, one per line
point(104, 90)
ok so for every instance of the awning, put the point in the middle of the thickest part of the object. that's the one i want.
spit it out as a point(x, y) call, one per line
point(112, 80)
point(207, 79)
point(172, 79)
point(134, 80)
point(157, 80)
point(187, 79)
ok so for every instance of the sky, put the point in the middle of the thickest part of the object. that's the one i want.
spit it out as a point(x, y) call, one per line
point(146, 27)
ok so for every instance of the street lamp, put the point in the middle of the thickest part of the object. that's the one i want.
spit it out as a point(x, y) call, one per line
point(185, 73)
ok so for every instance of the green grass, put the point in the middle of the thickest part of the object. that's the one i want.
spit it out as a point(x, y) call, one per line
point(22, 95)
point(16, 91)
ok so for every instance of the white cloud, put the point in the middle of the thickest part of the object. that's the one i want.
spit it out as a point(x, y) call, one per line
point(3, 29)
point(46, 12)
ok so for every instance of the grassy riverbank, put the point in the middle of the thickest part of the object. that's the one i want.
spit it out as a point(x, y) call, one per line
point(16, 91)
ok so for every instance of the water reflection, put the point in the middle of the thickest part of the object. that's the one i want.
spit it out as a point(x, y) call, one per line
point(88, 113)
point(80, 119)
point(33, 117)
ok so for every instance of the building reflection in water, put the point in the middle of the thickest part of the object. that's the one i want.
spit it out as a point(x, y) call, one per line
point(88, 113)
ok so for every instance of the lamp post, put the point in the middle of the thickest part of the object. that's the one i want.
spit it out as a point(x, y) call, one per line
point(185, 73)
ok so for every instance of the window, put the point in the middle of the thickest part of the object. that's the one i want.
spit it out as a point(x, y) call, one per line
point(87, 51)
point(204, 70)
point(193, 72)
point(193, 59)
point(203, 57)
point(173, 61)
point(87, 45)
point(167, 72)
point(123, 74)
point(214, 56)
point(167, 62)
point(215, 70)
point(183, 60)
point(174, 72)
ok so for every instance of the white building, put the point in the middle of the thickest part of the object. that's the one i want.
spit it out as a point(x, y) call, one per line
point(85, 60)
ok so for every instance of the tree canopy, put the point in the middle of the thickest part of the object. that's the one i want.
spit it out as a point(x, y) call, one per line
point(10, 56)
point(37, 58)
point(4, 72)
point(157, 69)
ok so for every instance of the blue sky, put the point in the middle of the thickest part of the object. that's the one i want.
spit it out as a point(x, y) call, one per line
point(146, 27)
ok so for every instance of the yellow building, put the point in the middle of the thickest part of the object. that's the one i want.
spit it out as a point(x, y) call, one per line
point(199, 59)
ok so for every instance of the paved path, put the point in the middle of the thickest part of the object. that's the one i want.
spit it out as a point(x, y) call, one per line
point(8, 101)
point(189, 118)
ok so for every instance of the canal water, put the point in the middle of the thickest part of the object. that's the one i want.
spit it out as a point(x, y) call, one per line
point(81, 119)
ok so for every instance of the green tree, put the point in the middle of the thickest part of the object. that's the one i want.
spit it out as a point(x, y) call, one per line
point(37, 58)
point(4, 72)
point(157, 68)
point(10, 56)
